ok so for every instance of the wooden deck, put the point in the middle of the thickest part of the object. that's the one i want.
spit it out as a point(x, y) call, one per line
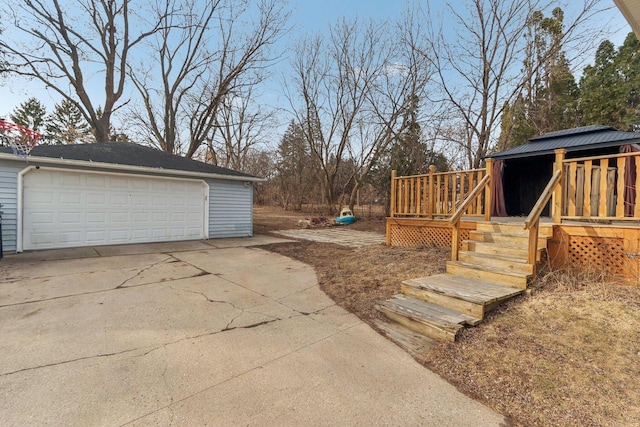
point(494, 259)
point(440, 306)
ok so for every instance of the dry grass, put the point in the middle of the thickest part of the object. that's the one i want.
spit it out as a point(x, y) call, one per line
point(357, 278)
point(567, 353)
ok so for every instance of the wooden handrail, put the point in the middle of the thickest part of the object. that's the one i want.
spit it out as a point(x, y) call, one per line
point(455, 218)
point(471, 197)
point(532, 223)
point(439, 173)
point(544, 198)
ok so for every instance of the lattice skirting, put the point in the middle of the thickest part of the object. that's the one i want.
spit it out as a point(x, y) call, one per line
point(410, 236)
point(599, 254)
point(611, 255)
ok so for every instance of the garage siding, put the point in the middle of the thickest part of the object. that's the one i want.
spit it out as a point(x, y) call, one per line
point(230, 209)
point(9, 200)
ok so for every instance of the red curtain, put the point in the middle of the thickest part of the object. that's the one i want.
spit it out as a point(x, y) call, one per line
point(629, 180)
point(498, 207)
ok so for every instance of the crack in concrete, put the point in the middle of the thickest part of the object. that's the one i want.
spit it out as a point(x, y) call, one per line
point(227, 328)
point(122, 285)
point(35, 266)
point(168, 388)
point(119, 287)
point(264, 296)
point(204, 272)
point(207, 298)
point(64, 362)
point(248, 371)
point(94, 292)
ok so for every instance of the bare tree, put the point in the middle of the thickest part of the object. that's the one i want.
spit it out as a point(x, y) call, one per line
point(180, 58)
point(348, 94)
point(242, 126)
point(479, 63)
point(207, 53)
point(65, 44)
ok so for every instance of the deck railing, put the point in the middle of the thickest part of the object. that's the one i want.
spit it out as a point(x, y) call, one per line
point(599, 188)
point(482, 188)
point(532, 223)
point(436, 194)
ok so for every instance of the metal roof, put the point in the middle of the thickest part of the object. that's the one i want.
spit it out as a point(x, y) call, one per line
point(576, 139)
point(120, 153)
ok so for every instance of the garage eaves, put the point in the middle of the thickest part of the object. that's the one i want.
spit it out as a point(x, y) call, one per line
point(126, 157)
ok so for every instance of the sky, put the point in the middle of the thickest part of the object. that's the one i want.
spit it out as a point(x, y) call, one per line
point(308, 17)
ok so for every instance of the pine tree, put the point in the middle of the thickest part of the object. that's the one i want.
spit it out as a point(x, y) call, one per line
point(31, 114)
point(296, 173)
point(549, 98)
point(66, 125)
point(611, 87)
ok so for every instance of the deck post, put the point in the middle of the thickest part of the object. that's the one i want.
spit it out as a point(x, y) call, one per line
point(487, 190)
point(392, 208)
point(556, 204)
point(431, 208)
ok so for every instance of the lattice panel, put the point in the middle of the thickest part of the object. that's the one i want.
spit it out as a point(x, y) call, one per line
point(414, 237)
point(602, 254)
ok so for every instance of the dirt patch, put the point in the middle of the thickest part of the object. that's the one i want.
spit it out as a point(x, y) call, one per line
point(568, 353)
point(268, 218)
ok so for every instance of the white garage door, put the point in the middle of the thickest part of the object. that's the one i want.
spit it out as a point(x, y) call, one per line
point(69, 209)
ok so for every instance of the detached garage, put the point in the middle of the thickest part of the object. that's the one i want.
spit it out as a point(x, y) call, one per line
point(116, 193)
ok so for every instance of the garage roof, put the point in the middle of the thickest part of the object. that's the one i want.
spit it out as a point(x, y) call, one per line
point(119, 153)
point(576, 139)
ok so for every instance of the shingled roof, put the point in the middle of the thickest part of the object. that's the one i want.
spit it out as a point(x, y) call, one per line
point(127, 154)
point(576, 139)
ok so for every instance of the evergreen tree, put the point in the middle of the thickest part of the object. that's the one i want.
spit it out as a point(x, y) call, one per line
point(66, 125)
point(549, 98)
point(611, 87)
point(30, 114)
point(295, 170)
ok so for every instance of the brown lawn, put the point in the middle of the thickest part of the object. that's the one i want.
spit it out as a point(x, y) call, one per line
point(567, 353)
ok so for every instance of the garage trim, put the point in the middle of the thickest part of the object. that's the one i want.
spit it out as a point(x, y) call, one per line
point(20, 201)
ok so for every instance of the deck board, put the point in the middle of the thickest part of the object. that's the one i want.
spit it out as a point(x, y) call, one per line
point(476, 291)
point(432, 313)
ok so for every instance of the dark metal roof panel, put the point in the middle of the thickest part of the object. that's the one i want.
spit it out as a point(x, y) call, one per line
point(571, 142)
point(574, 131)
point(127, 154)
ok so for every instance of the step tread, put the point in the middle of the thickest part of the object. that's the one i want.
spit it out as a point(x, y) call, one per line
point(489, 269)
point(495, 256)
point(427, 312)
point(524, 234)
point(414, 343)
point(502, 245)
point(471, 290)
point(544, 229)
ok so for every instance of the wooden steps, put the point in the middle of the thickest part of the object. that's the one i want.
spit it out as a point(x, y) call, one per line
point(428, 319)
point(517, 240)
point(412, 342)
point(493, 248)
point(468, 296)
point(488, 274)
point(503, 262)
point(491, 268)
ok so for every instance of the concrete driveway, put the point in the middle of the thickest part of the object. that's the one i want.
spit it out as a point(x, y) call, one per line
point(200, 333)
